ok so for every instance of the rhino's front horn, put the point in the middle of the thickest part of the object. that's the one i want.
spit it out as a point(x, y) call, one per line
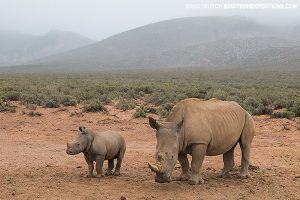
point(153, 168)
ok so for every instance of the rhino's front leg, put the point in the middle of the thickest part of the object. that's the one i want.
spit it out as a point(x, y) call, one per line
point(99, 165)
point(198, 154)
point(90, 166)
point(185, 166)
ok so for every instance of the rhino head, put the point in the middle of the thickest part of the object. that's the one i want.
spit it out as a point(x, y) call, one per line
point(79, 143)
point(166, 149)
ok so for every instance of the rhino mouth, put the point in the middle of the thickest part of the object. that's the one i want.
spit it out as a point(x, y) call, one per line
point(69, 152)
point(161, 175)
point(163, 178)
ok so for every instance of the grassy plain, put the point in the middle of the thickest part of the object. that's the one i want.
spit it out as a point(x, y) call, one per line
point(259, 91)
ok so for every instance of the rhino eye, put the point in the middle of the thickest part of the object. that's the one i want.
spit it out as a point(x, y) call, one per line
point(78, 144)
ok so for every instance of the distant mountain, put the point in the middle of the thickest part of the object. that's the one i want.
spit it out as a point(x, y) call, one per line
point(16, 48)
point(185, 42)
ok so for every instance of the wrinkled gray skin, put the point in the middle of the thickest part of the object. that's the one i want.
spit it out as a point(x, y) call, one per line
point(99, 146)
point(200, 128)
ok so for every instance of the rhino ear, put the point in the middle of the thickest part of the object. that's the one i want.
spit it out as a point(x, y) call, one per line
point(82, 129)
point(153, 123)
point(179, 124)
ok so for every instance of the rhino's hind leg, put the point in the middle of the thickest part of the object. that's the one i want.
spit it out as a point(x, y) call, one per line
point(119, 162)
point(245, 143)
point(198, 154)
point(245, 161)
point(110, 167)
point(228, 159)
point(185, 166)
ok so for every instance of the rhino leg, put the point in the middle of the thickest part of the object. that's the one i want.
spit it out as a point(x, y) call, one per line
point(99, 165)
point(245, 143)
point(198, 154)
point(228, 159)
point(119, 163)
point(90, 166)
point(245, 161)
point(110, 167)
point(185, 166)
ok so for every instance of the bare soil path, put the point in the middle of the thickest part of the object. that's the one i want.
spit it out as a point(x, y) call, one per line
point(34, 165)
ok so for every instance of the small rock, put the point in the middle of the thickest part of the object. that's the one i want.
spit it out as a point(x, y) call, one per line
point(123, 198)
point(252, 191)
point(296, 178)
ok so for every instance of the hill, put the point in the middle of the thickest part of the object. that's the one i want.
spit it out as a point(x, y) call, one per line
point(17, 48)
point(203, 42)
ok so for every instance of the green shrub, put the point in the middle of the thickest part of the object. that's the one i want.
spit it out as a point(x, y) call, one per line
point(282, 103)
point(144, 89)
point(94, 106)
point(124, 105)
point(285, 114)
point(219, 94)
point(68, 101)
point(267, 99)
point(33, 114)
point(32, 99)
point(296, 107)
point(105, 99)
point(140, 112)
point(196, 93)
point(263, 110)
point(12, 96)
point(7, 107)
point(251, 102)
point(162, 112)
point(51, 103)
point(75, 113)
point(31, 106)
point(149, 109)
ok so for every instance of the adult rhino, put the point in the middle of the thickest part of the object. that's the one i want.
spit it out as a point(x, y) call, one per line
point(198, 127)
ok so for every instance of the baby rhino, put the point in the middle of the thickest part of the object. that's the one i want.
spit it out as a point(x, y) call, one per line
point(99, 146)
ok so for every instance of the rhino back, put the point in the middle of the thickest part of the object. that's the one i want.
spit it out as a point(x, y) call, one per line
point(108, 144)
point(216, 123)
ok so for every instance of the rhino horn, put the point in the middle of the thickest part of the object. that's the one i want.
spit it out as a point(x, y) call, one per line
point(154, 168)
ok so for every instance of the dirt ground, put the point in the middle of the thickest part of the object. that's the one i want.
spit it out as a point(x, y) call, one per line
point(34, 165)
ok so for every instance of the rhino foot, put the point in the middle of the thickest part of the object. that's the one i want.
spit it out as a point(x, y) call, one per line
point(182, 177)
point(224, 175)
point(195, 182)
point(244, 175)
point(99, 175)
point(108, 173)
point(116, 173)
point(90, 176)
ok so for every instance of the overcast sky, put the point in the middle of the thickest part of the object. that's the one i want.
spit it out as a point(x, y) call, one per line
point(98, 19)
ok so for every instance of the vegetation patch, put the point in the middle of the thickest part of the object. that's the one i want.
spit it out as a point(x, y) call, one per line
point(140, 112)
point(75, 113)
point(6, 107)
point(258, 91)
point(285, 114)
point(32, 113)
point(94, 106)
point(68, 100)
point(51, 102)
point(125, 104)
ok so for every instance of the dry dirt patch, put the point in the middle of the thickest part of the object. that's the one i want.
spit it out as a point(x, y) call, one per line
point(33, 162)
